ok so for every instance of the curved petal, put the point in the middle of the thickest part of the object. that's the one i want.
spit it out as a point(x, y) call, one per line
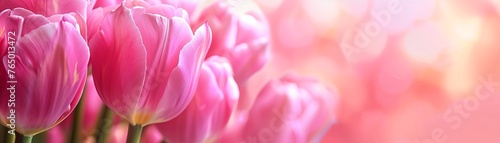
point(193, 124)
point(119, 62)
point(183, 80)
point(248, 58)
point(222, 71)
point(94, 21)
point(34, 21)
point(168, 11)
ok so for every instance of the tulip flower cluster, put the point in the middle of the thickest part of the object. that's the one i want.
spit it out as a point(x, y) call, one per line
point(148, 71)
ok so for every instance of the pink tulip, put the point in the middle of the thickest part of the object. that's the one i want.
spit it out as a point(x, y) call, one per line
point(207, 115)
point(48, 7)
point(293, 110)
point(146, 61)
point(50, 68)
point(243, 39)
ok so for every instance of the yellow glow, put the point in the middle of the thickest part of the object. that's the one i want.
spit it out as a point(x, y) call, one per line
point(464, 27)
point(75, 75)
point(141, 118)
point(3, 30)
point(467, 28)
point(459, 79)
point(322, 13)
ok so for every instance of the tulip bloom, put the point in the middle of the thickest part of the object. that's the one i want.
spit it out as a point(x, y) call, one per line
point(207, 115)
point(292, 109)
point(242, 38)
point(146, 61)
point(48, 58)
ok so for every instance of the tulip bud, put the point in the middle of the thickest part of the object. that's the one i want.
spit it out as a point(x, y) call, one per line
point(146, 61)
point(292, 109)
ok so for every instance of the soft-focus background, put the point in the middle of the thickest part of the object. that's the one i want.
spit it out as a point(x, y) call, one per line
point(408, 71)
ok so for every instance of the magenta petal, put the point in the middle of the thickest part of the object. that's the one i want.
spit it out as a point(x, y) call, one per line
point(119, 62)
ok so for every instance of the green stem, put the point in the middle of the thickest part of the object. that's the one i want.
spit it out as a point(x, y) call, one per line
point(10, 138)
point(3, 133)
point(77, 121)
point(134, 133)
point(40, 137)
point(27, 139)
point(104, 125)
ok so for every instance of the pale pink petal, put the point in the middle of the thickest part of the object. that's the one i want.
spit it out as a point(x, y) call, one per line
point(184, 78)
point(248, 58)
point(168, 11)
point(163, 39)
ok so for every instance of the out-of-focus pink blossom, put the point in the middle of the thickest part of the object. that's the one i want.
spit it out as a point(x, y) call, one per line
point(243, 39)
point(234, 128)
point(55, 135)
point(292, 109)
point(209, 111)
point(146, 61)
point(50, 60)
point(151, 135)
point(118, 133)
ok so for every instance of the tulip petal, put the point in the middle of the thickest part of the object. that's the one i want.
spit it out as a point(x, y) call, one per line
point(168, 11)
point(94, 21)
point(34, 21)
point(245, 64)
point(119, 62)
point(163, 49)
point(184, 78)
